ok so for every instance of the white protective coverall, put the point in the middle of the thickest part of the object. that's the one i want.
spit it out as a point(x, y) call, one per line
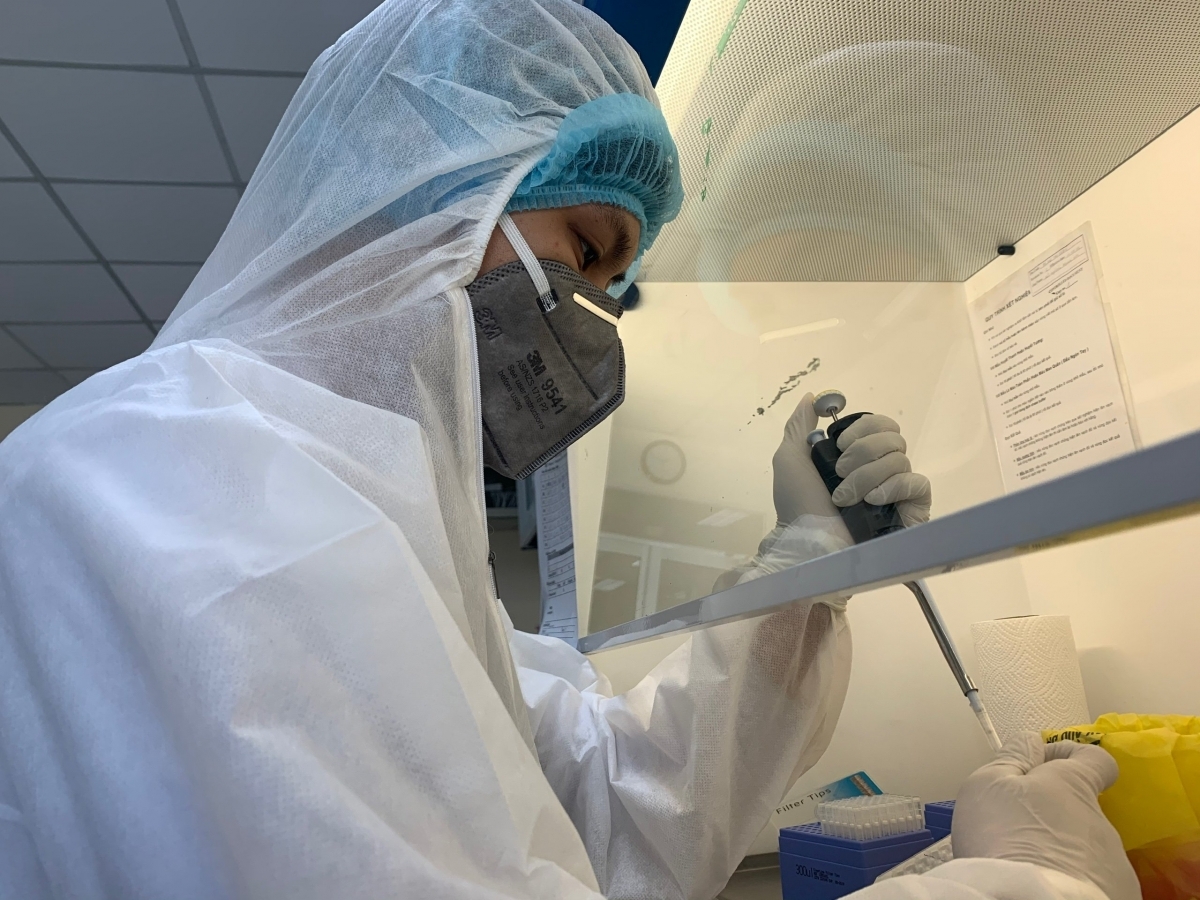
point(247, 642)
point(248, 647)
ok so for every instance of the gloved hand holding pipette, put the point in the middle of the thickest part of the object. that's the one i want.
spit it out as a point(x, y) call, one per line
point(809, 521)
point(875, 468)
point(873, 464)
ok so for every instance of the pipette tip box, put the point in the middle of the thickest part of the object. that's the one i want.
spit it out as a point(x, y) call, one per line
point(938, 817)
point(817, 866)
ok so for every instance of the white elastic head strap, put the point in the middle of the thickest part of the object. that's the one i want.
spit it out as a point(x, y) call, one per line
point(532, 266)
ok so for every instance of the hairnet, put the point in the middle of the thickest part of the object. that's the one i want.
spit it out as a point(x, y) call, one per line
point(615, 150)
point(435, 111)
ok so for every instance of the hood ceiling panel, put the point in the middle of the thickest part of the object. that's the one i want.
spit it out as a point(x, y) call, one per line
point(904, 140)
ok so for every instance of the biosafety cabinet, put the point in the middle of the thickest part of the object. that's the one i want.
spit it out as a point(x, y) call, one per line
point(983, 220)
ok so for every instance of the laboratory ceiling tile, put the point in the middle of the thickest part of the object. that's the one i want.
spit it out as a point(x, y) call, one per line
point(151, 223)
point(76, 123)
point(61, 293)
point(157, 288)
point(10, 164)
point(90, 31)
point(249, 109)
point(33, 228)
point(282, 35)
point(84, 346)
point(29, 387)
point(76, 376)
point(12, 355)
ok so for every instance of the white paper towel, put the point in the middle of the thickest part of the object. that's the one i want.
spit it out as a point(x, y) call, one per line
point(1029, 673)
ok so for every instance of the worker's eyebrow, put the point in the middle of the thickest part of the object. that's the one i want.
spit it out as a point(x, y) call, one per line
point(621, 252)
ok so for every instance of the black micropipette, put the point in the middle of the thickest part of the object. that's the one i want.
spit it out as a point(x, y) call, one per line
point(866, 521)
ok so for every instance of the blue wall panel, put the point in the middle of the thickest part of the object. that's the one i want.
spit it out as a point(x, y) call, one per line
point(650, 26)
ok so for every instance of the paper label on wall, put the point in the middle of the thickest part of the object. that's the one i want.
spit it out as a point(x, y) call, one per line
point(556, 550)
point(1050, 374)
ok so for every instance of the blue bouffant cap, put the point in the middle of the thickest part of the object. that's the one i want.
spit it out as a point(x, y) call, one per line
point(614, 150)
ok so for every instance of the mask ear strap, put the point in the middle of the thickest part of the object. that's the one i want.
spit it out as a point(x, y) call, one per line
point(532, 266)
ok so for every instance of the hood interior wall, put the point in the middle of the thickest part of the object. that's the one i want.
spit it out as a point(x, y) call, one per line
point(715, 371)
point(699, 370)
point(1131, 596)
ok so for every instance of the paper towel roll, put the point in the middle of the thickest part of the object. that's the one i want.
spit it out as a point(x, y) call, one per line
point(1029, 673)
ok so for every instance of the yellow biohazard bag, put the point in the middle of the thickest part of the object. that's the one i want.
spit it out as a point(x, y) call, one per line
point(1155, 802)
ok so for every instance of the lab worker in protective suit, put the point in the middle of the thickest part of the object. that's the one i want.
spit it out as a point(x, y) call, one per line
point(249, 646)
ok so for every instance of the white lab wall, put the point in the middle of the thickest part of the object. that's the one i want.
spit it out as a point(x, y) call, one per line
point(1133, 598)
point(900, 349)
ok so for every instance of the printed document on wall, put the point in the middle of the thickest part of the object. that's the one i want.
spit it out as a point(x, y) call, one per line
point(556, 550)
point(1050, 373)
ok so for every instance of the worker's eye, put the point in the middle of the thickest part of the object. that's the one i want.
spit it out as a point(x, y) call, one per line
point(589, 253)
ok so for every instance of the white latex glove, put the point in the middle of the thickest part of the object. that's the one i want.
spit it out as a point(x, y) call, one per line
point(874, 468)
point(872, 464)
point(798, 489)
point(1037, 803)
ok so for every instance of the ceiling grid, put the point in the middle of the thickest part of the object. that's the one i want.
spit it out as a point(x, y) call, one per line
point(128, 131)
